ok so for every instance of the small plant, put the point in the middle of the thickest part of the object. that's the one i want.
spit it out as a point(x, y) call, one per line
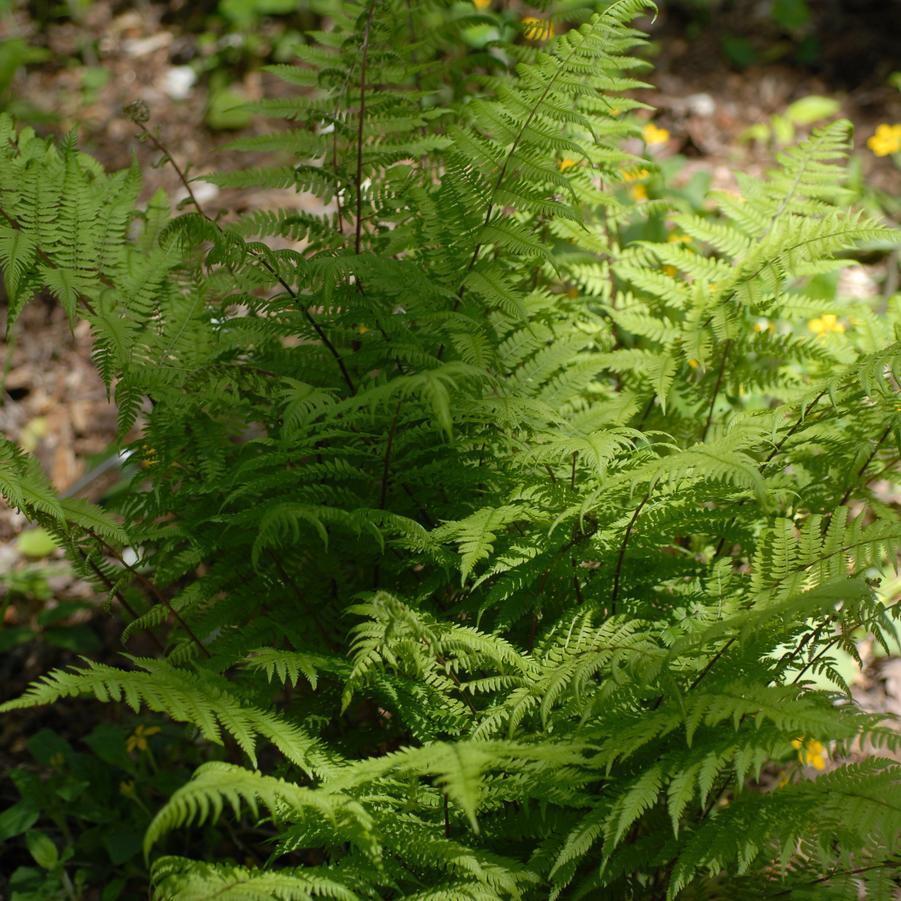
point(496, 526)
point(79, 820)
point(782, 128)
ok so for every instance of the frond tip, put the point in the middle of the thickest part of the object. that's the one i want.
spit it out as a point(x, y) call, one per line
point(203, 699)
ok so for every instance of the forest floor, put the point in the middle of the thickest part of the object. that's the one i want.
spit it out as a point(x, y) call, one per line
point(53, 402)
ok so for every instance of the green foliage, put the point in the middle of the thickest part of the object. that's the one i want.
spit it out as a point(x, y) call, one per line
point(505, 553)
point(80, 815)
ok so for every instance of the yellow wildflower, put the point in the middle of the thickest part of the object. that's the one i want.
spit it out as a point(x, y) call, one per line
point(635, 174)
point(675, 238)
point(670, 271)
point(654, 135)
point(567, 164)
point(693, 363)
point(823, 325)
point(639, 192)
point(810, 752)
point(885, 140)
point(535, 29)
point(362, 329)
point(481, 4)
point(137, 741)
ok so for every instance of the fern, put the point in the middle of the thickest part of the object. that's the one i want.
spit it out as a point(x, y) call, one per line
point(490, 511)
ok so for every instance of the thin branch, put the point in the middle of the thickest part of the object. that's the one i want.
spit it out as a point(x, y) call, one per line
point(182, 176)
point(778, 447)
point(837, 639)
point(259, 256)
point(383, 488)
point(422, 511)
point(152, 590)
point(361, 116)
point(499, 181)
point(646, 412)
point(835, 873)
point(338, 187)
point(101, 575)
point(863, 468)
point(716, 388)
point(711, 663)
point(386, 459)
point(614, 594)
point(514, 147)
point(290, 583)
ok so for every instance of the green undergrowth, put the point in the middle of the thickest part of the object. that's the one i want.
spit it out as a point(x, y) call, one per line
point(498, 526)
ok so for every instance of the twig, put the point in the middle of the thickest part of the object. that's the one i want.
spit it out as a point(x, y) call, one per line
point(614, 594)
point(778, 447)
point(101, 575)
point(489, 211)
point(361, 116)
point(386, 459)
point(338, 188)
point(711, 663)
point(286, 578)
point(383, 488)
point(863, 468)
point(716, 388)
point(258, 255)
point(153, 591)
point(853, 872)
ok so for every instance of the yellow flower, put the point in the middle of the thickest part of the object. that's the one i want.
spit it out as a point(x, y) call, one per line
point(810, 752)
point(639, 192)
point(674, 238)
point(670, 271)
point(654, 135)
point(362, 329)
point(481, 4)
point(535, 29)
point(885, 140)
point(693, 363)
point(635, 174)
point(137, 741)
point(567, 164)
point(823, 325)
